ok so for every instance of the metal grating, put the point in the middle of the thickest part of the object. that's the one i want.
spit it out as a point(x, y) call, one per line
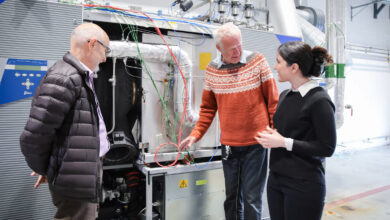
point(263, 42)
point(19, 199)
point(35, 29)
point(29, 29)
point(267, 44)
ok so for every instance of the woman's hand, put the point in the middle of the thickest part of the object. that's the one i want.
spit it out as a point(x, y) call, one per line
point(270, 138)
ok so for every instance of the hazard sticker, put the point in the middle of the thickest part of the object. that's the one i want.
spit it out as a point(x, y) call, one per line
point(183, 184)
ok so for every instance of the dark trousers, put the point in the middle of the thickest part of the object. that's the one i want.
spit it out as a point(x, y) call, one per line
point(292, 199)
point(69, 209)
point(244, 168)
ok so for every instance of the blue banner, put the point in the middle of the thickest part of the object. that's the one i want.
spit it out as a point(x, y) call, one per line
point(20, 79)
point(283, 38)
point(1, 1)
point(27, 62)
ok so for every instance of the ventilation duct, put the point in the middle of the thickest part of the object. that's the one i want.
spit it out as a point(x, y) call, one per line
point(311, 35)
point(283, 17)
point(316, 17)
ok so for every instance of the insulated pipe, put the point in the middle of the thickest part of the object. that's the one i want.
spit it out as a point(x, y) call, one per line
point(161, 54)
point(335, 23)
point(283, 17)
point(211, 11)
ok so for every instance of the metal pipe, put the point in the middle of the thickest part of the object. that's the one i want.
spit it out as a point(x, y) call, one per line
point(335, 25)
point(368, 50)
point(211, 11)
point(113, 82)
point(160, 53)
point(370, 3)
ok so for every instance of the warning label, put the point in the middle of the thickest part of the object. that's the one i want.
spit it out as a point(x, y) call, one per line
point(183, 184)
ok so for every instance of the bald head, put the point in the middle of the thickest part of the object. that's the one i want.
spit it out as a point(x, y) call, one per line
point(84, 32)
point(86, 44)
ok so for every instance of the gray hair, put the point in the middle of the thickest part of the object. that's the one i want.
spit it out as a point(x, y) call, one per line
point(226, 30)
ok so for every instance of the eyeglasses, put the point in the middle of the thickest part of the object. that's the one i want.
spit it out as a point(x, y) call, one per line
point(108, 50)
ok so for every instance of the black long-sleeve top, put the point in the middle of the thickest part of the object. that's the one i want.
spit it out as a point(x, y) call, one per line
point(309, 120)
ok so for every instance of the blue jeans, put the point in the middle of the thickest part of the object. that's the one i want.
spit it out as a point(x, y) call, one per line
point(245, 170)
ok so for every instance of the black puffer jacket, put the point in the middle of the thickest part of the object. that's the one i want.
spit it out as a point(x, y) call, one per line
point(61, 137)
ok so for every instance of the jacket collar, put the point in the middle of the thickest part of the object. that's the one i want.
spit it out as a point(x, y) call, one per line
point(72, 60)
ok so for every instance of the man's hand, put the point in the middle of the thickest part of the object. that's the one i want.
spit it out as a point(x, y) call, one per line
point(187, 143)
point(41, 179)
point(270, 138)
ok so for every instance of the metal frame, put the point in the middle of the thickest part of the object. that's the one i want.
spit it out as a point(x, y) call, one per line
point(366, 4)
point(171, 156)
point(150, 173)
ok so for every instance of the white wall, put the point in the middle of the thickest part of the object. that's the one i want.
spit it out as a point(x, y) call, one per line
point(367, 77)
point(367, 91)
point(364, 29)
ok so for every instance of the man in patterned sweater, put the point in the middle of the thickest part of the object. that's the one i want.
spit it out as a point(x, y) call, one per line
point(240, 86)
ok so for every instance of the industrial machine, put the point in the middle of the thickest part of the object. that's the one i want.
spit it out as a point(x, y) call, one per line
point(149, 91)
point(152, 102)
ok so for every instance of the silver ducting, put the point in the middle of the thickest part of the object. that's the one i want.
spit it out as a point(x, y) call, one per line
point(311, 35)
point(298, 2)
point(161, 54)
point(315, 16)
point(283, 17)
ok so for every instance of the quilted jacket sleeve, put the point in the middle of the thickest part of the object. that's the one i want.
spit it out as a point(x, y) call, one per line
point(52, 101)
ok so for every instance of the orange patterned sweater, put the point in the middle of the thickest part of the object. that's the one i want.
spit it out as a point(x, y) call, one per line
point(245, 97)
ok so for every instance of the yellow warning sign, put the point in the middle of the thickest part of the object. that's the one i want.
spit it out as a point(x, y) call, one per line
point(204, 60)
point(183, 183)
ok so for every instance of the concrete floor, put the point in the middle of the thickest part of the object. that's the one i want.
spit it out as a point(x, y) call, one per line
point(358, 184)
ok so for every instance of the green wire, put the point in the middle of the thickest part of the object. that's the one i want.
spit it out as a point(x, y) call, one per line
point(134, 30)
point(135, 37)
point(174, 126)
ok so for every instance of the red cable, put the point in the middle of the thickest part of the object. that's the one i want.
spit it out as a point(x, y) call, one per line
point(181, 72)
point(132, 172)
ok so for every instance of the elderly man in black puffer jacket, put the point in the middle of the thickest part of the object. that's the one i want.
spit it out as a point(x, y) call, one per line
point(65, 135)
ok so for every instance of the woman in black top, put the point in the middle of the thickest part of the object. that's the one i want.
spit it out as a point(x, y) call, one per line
point(304, 134)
